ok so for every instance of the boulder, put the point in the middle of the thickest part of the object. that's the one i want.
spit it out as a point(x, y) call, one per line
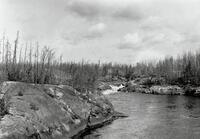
point(30, 111)
point(197, 91)
point(103, 86)
point(192, 91)
point(131, 86)
point(149, 81)
point(166, 90)
point(189, 90)
point(148, 86)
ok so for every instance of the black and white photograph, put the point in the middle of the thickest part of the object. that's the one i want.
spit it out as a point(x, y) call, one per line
point(99, 69)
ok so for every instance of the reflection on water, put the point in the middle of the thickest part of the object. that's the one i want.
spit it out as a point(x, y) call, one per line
point(152, 117)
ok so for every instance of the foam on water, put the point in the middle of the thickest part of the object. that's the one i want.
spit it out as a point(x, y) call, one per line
point(112, 90)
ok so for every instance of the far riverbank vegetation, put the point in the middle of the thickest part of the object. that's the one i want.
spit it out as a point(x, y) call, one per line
point(33, 63)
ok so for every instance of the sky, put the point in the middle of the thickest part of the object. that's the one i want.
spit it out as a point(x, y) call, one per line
point(119, 31)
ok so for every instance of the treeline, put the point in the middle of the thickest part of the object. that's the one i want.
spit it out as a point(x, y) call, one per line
point(35, 64)
point(32, 66)
point(182, 70)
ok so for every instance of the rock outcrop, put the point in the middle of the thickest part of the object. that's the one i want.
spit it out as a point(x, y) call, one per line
point(31, 111)
point(133, 86)
point(192, 91)
point(167, 90)
point(139, 86)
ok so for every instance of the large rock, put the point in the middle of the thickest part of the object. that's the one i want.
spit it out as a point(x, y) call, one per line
point(197, 92)
point(49, 112)
point(149, 81)
point(166, 90)
point(132, 86)
point(192, 91)
point(139, 87)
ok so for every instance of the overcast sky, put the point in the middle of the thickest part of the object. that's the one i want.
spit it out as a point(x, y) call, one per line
point(123, 31)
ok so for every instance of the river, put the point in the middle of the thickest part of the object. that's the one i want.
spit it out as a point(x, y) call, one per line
point(152, 117)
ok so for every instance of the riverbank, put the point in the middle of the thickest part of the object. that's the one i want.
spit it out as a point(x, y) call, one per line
point(158, 86)
point(50, 111)
point(149, 85)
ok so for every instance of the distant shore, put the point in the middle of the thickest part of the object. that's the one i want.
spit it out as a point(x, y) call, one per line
point(150, 85)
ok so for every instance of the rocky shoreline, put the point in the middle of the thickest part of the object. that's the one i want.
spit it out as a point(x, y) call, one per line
point(30, 111)
point(99, 124)
point(159, 87)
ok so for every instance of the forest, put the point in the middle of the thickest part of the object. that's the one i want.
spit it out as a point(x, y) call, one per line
point(36, 64)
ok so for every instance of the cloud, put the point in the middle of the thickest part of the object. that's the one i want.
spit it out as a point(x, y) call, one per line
point(96, 31)
point(36, 20)
point(152, 23)
point(100, 27)
point(84, 8)
point(91, 32)
point(164, 40)
point(129, 12)
point(91, 9)
point(132, 38)
point(149, 55)
point(157, 38)
point(153, 27)
point(130, 41)
point(164, 36)
point(194, 38)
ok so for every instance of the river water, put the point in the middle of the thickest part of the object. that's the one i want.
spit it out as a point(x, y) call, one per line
point(152, 117)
